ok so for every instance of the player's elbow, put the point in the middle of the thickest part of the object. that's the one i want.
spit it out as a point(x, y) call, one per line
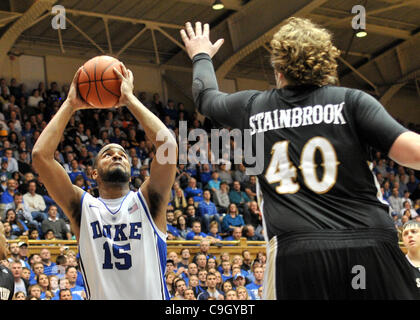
point(38, 158)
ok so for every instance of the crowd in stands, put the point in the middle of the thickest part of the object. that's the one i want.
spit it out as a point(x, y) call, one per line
point(210, 202)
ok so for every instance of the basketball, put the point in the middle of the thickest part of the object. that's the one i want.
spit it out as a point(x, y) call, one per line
point(98, 84)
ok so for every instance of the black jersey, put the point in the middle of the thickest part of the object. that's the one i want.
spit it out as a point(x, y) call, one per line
point(416, 272)
point(315, 172)
point(7, 284)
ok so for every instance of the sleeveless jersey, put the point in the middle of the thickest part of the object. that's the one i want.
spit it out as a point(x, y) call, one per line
point(122, 252)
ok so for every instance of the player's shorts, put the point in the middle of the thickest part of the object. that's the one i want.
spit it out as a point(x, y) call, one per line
point(338, 264)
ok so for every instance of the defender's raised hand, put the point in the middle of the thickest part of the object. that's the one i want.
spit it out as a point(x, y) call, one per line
point(198, 40)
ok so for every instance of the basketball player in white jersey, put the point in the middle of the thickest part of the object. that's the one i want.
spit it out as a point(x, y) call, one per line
point(121, 234)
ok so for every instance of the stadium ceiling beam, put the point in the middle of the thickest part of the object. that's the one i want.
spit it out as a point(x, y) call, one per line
point(8, 17)
point(148, 23)
point(363, 77)
point(373, 12)
point(229, 63)
point(132, 40)
point(108, 36)
point(377, 29)
point(85, 35)
point(401, 47)
point(26, 20)
point(155, 47)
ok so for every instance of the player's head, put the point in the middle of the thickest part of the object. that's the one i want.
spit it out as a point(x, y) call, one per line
point(303, 53)
point(411, 235)
point(112, 165)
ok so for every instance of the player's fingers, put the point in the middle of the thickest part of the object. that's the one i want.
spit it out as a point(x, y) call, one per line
point(206, 30)
point(76, 76)
point(218, 44)
point(184, 36)
point(190, 30)
point(118, 73)
point(198, 30)
point(124, 70)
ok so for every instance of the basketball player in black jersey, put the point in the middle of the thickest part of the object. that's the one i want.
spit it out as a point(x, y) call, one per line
point(411, 239)
point(329, 235)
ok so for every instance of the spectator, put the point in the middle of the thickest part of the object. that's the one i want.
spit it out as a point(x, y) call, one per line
point(35, 202)
point(171, 228)
point(248, 232)
point(193, 191)
point(34, 291)
point(65, 294)
point(407, 207)
point(12, 162)
point(256, 284)
point(185, 259)
point(8, 231)
point(75, 171)
point(189, 294)
point(19, 227)
point(231, 295)
point(37, 268)
point(44, 283)
point(237, 196)
point(214, 182)
point(211, 291)
point(179, 200)
point(191, 215)
point(169, 279)
point(49, 266)
point(251, 188)
point(71, 276)
point(181, 227)
point(205, 174)
point(59, 227)
point(20, 283)
point(207, 211)
point(22, 210)
point(7, 195)
point(232, 219)
point(214, 230)
point(180, 287)
point(20, 295)
point(240, 175)
point(221, 197)
point(242, 293)
point(14, 253)
point(3, 169)
point(226, 286)
point(253, 216)
point(195, 233)
point(395, 201)
point(225, 174)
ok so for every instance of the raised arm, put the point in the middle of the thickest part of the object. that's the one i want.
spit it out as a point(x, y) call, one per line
point(157, 188)
point(55, 178)
point(226, 109)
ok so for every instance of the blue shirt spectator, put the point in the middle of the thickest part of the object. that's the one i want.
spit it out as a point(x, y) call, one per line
point(193, 191)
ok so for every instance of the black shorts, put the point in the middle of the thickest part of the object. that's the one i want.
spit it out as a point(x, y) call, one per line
point(338, 264)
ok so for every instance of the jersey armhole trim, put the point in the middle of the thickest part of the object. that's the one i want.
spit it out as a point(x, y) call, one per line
point(146, 209)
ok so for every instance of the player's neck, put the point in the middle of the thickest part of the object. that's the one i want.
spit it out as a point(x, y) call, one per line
point(113, 191)
point(414, 257)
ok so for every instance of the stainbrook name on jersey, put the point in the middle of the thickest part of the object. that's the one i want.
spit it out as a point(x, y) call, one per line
point(296, 117)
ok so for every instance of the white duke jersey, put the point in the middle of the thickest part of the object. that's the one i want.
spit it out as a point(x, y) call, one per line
point(122, 252)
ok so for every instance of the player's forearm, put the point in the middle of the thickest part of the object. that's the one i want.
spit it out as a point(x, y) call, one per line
point(204, 79)
point(151, 124)
point(50, 137)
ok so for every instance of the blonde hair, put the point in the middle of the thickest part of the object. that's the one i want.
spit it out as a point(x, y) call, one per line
point(304, 53)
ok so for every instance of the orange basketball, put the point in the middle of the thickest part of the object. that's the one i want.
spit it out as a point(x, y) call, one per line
point(98, 84)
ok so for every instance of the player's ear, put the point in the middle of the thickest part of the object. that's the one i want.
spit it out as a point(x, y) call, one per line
point(94, 174)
